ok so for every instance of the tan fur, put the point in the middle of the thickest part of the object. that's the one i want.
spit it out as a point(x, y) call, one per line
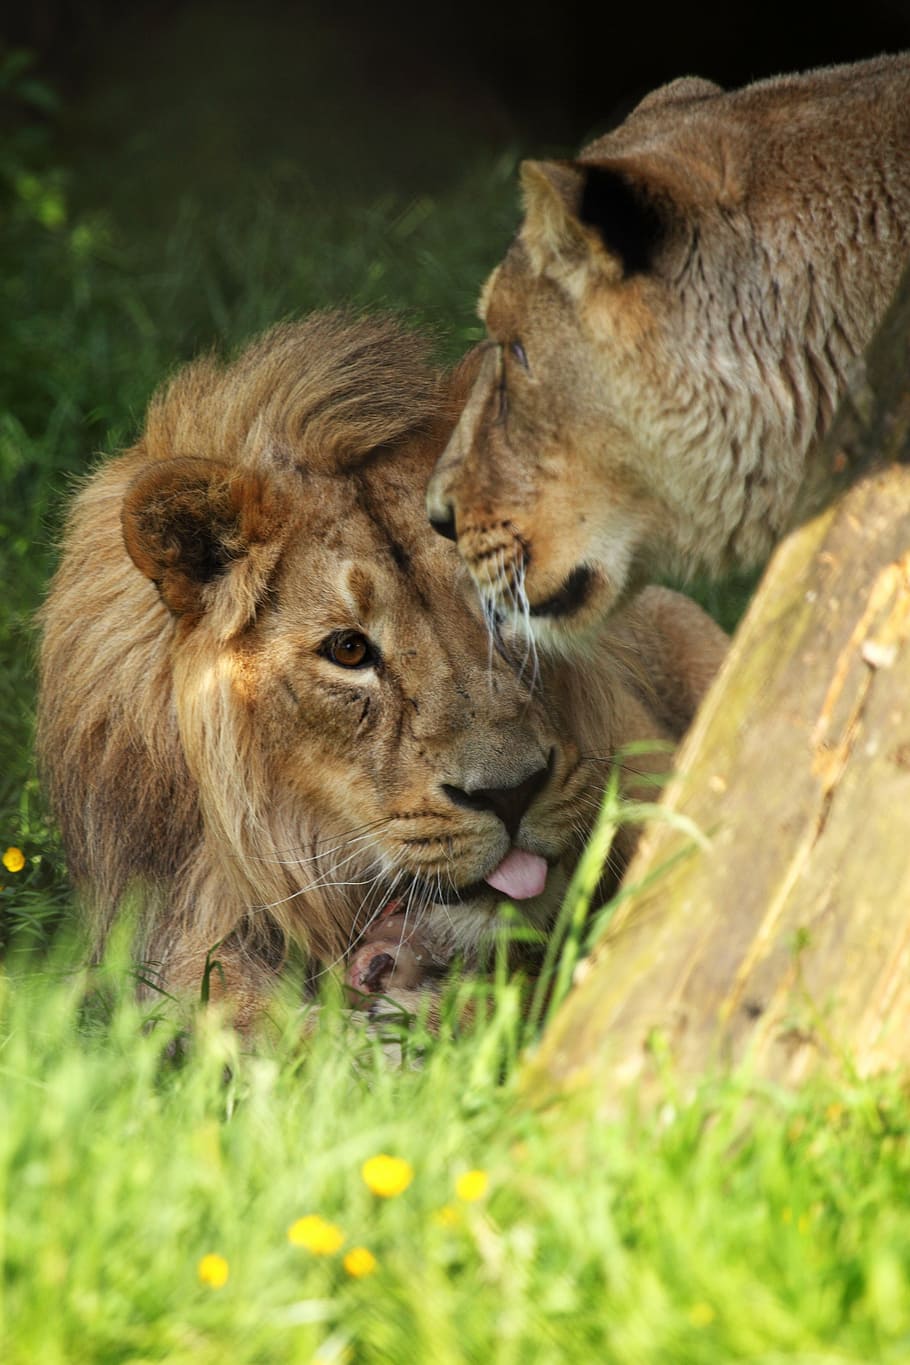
point(208, 761)
point(689, 295)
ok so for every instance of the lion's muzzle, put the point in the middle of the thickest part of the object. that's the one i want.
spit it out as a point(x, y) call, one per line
point(510, 803)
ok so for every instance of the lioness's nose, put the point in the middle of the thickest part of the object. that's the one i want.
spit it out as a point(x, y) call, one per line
point(442, 520)
point(509, 803)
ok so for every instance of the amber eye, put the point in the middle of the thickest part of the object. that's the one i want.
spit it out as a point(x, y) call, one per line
point(349, 649)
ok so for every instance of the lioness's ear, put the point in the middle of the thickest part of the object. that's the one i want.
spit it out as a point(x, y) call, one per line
point(580, 216)
point(551, 231)
point(187, 522)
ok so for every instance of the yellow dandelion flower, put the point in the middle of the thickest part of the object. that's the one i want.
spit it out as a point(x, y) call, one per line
point(472, 1186)
point(701, 1314)
point(447, 1217)
point(213, 1270)
point(387, 1175)
point(359, 1262)
point(316, 1235)
point(14, 860)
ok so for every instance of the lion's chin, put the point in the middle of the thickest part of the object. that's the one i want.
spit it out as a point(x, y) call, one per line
point(473, 926)
point(483, 902)
point(420, 934)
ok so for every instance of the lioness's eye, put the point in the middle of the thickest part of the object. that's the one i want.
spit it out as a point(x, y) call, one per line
point(519, 353)
point(349, 649)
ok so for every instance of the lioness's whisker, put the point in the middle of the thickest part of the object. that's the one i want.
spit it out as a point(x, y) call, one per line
point(523, 607)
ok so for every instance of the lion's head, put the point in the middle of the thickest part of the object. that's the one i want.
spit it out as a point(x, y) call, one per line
point(269, 704)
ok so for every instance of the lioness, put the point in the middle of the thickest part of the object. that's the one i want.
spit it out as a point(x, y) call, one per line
point(669, 334)
point(269, 709)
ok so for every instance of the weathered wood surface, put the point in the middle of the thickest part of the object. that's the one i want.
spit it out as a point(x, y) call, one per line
point(786, 940)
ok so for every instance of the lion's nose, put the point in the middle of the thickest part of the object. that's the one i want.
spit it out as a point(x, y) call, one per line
point(442, 520)
point(509, 803)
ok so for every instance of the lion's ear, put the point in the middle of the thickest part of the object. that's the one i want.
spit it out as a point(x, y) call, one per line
point(190, 523)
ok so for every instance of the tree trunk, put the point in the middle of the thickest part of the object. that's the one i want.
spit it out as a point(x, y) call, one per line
point(785, 939)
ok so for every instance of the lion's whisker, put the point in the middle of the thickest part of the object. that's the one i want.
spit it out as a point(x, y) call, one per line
point(372, 916)
point(315, 857)
point(359, 831)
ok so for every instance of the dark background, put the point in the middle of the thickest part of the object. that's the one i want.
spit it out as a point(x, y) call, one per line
point(215, 87)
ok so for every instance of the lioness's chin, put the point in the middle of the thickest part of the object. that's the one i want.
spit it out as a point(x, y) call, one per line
point(563, 621)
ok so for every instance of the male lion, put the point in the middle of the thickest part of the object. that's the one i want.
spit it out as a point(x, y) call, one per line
point(269, 710)
point(670, 333)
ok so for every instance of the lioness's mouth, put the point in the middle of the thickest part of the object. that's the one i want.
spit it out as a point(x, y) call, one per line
point(570, 597)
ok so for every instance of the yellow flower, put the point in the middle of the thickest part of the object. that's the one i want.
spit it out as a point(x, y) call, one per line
point(387, 1175)
point(213, 1270)
point(14, 860)
point(447, 1216)
point(316, 1235)
point(701, 1314)
point(472, 1186)
point(359, 1262)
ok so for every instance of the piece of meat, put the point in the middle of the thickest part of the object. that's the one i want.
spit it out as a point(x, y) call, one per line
point(393, 955)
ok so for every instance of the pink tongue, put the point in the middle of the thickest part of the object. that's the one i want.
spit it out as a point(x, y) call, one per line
point(520, 875)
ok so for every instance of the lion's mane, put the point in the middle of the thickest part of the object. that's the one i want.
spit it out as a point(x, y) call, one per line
point(118, 770)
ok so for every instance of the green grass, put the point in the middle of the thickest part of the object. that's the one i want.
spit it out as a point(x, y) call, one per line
point(746, 1225)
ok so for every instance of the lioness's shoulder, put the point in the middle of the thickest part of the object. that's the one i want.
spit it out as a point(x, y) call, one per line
point(668, 650)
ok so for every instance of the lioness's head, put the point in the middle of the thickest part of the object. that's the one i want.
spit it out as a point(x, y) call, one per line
point(634, 392)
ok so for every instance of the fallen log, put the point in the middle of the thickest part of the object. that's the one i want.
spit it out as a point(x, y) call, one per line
point(784, 940)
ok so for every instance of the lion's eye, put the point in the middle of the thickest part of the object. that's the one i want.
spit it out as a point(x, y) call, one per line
point(519, 353)
point(349, 649)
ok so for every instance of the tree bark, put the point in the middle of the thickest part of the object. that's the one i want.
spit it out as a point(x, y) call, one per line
point(785, 939)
